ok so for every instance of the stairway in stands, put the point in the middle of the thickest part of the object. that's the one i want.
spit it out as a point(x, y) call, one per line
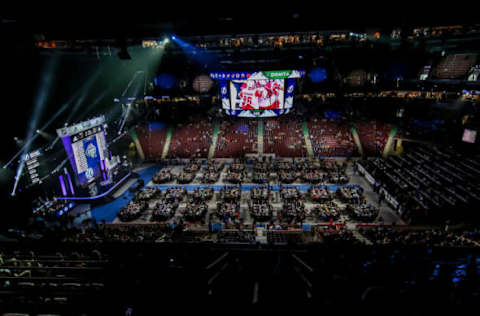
point(262, 279)
point(167, 143)
point(260, 137)
point(306, 137)
point(211, 151)
point(388, 145)
point(138, 146)
point(356, 139)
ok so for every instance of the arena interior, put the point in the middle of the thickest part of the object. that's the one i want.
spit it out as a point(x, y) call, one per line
point(152, 160)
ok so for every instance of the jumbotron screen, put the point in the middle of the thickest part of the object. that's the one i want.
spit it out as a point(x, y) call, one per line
point(257, 94)
point(86, 148)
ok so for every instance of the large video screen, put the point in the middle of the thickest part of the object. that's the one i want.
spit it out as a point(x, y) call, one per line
point(86, 148)
point(257, 94)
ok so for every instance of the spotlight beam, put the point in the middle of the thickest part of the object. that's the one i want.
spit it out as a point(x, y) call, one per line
point(17, 178)
point(96, 101)
point(22, 149)
point(54, 142)
point(84, 90)
point(29, 140)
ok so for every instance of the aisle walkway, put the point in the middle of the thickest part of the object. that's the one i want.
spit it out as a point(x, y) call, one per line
point(166, 146)
point(389, 144)
point(357, 141)
point(213, 145)
point(308, 142)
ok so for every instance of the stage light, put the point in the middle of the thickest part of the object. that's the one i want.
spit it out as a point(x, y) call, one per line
point(166, 81)
point(18, 141)
point(166, 40)
point(318, 74)
point(173, 37)
point(38, 131)
point(39, 104)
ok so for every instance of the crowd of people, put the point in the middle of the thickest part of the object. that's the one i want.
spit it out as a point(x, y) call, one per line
point(326, 212)
point(350, 194)
point(260, 210)
point(202, 194)
point(228, 211)
point(163, 176)
point(164, 210)
point(320, 194)
point(364, 212)
point(132, 211)
point(195, 211)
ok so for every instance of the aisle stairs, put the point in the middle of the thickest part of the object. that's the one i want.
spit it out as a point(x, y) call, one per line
point(306, 137)
point(166, 146)
point(211, 151)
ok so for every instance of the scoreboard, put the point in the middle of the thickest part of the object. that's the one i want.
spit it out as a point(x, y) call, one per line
point(257, 94)
point(86, 149)
point(37, 167)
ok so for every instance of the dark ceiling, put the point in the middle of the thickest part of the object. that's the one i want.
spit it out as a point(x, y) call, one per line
point(183, 18)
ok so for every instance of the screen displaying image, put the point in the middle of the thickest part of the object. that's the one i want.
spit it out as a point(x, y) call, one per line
point(257, 94)
point(425, 72)
point(86, 148)
point(469, 136)
point(474, 73)
point(88, 151)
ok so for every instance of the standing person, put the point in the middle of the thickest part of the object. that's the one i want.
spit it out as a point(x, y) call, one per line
point(380, 199)
point(377, 186)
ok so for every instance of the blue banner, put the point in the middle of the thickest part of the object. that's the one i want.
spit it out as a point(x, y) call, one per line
point(289, 93)
point(92, 155)
point(224, 94)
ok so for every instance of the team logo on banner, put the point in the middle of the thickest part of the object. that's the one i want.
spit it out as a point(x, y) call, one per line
point(224, 90)
point(91, 151)
point(290, 89)
point(89, 173)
